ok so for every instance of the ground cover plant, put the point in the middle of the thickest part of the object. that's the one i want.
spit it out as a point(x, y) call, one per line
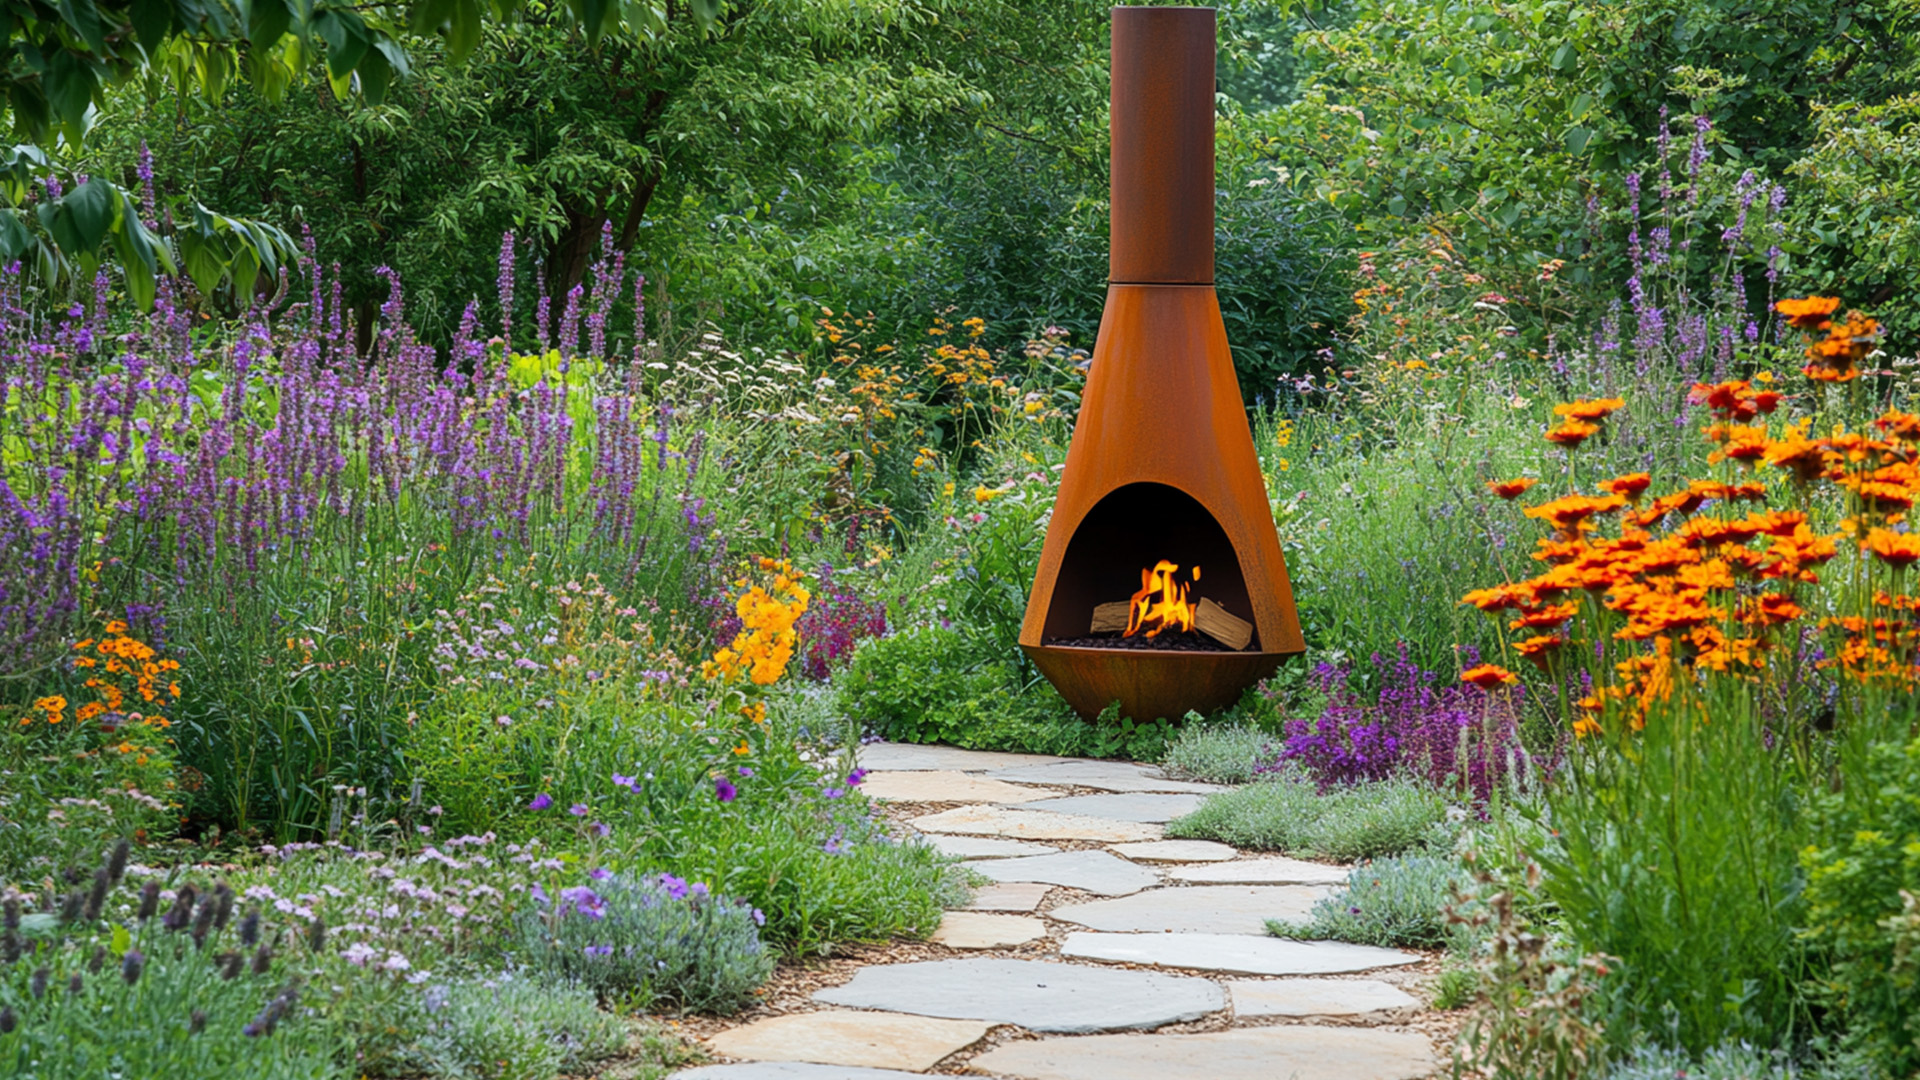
point(1293, 815)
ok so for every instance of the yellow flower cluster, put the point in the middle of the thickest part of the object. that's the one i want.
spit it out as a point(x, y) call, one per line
point(767, 638)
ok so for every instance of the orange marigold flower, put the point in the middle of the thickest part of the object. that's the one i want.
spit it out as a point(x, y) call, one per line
point(1898, 550)
point(1808, 460)
point(1511, 489)
point(53, 703)
point(1586, 726)
point(1499, 598)
point(88, 711)
point(1488, 676)
point(1539, 648)
point(1551, 615)
point(1810, 313)
point(1569, 513)
point(1595, 410)
point(116, 627)
point(1901, 425)
point(1771, 609)
point(1572, 433)
point(1629, 487)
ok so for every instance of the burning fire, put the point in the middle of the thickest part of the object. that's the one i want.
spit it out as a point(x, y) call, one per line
point(1161, 604)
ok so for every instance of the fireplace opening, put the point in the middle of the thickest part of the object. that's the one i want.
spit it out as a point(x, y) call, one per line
point(1150, 569)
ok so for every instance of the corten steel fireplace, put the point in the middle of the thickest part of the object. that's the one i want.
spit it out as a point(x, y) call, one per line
point(1162, 464)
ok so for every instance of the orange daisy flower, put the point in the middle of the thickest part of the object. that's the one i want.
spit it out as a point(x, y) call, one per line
point(1511, 489)
point(1592, 411)
point(1898, 550)
point(1810, 313)
point(1572, 433)
point(1488, 676)
point(1629, 487)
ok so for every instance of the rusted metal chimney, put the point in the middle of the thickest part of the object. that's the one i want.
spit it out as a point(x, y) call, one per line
point(1162, 464)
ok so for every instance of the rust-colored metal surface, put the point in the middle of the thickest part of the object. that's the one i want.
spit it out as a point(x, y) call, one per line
point(1162, 223)
point(1162, 463)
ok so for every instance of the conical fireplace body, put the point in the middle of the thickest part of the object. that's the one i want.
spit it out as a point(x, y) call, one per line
point(1161, 470)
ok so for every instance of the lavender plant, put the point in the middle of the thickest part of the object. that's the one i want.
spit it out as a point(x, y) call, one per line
point(650, 942)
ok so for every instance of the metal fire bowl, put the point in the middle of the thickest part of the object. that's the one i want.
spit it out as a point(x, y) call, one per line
point(1147, 684)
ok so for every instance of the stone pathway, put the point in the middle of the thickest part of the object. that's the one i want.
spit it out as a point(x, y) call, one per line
point(1100, 952)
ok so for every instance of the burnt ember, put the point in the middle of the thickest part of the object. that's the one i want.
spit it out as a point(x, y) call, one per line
point(1172, 641)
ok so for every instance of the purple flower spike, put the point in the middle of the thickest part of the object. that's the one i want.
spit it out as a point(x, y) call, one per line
point(540, 801)
point(727, 792)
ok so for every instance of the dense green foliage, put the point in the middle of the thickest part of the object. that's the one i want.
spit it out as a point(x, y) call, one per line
point(1394, 901)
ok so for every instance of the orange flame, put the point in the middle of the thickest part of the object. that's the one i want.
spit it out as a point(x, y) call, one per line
point(1161, 604)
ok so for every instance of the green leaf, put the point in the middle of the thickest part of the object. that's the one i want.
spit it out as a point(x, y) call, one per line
point(203, 259)
point(69, 85)
point(122, 940)
point(80, 221)
point(84, 18)
point(1562, 56)
point(375, 74)
point(706, 13)
point(346, 38)
point(1577, 139)
point(150, 19)
point(1581, 103)
point(15, 240)
point(463, 30)
point(267, 21)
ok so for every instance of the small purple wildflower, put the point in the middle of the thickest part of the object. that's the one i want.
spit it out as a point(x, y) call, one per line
point(540, 801)
point(578, 809)
point(745, 772)
point(598, 950)
point(724, 790)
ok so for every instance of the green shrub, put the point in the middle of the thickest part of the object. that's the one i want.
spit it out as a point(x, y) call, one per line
point(648, 942)
point(1218, 754)
point(1345, 823)
point(1394, 901)
point(1863, 897)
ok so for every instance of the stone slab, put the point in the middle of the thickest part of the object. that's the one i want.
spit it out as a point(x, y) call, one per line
point(1175, 851)
point(1038, 996)
point(945, 785)
point(883, 755)
point(1294, 1052)
point(1317, 997)
point(978, 930)
point(1104, 775)
point(1277, 870)
point(1198, 909)
point(1151, 807)
point(1096, 872)
point(983, 847)
point(790, 1070)
point(1233, 954)
point(1031, 825)
point(1018, 896)
point(865, 1039)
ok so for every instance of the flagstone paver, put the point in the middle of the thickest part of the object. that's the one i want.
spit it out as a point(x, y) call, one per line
point(790, 1070)
point(984, 847)
point(1298, 1052)
point(1092, 871)
point(1202, 909)
point(1233, 954)
point(1036, 995)
point(1013, 896)
point(1272, 870)
point(933, 756)
point(1175, 851)
point(1105, 775)
point(1152, 807)
point(945, 785)
point(1031, 825)
point(979, 930)
point(1316, 997)
point(1195, 909)
point(869, 1039)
